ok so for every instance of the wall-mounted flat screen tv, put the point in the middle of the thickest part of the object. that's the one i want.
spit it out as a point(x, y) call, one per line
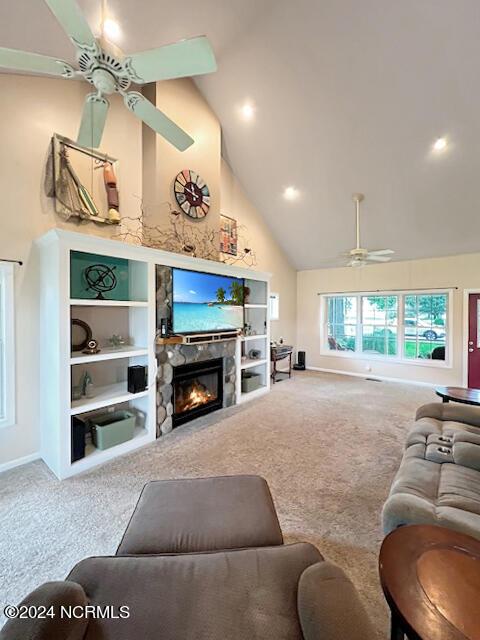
point(206, 302)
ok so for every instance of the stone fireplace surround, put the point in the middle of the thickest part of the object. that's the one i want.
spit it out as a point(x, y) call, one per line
point(173, 355)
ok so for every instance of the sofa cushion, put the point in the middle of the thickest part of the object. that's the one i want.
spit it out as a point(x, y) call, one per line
point(240, 594)
point(202, 514)
point(424, 492)
point(425, 427)
point(329, 606)
point(50, 594)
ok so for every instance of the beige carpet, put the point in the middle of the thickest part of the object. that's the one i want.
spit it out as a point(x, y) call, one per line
point(328, 446)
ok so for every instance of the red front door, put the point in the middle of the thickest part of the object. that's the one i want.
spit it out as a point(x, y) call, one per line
point(474, 340)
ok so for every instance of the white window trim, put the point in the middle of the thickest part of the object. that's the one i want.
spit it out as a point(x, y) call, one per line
point(8, 325)
point(274, 305)
point(400, 359)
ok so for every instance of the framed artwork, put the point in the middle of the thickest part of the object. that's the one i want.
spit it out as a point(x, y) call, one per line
point(228, 235)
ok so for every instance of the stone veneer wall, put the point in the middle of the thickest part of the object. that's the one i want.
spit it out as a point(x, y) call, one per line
point(174, 355)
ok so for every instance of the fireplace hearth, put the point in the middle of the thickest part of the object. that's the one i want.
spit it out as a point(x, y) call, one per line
point(197, 389)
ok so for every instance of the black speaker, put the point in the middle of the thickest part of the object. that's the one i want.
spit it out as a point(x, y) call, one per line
point(137, 378)
point(78, 438)
point(163, 327)
point(300, 366)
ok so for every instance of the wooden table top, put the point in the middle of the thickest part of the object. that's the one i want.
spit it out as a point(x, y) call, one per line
point(459, 394)
point(431, 579)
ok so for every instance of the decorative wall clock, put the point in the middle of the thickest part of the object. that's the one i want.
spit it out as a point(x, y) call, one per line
point(192, 194)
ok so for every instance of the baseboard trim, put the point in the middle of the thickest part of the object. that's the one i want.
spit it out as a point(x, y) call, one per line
point(373, 375)
point(19, 462)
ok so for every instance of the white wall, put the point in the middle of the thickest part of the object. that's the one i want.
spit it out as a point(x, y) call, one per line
point(454, 271)
point(269, 255)
point(31, 110)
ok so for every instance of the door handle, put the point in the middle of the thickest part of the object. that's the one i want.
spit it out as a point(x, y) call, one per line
point(470, 350)
point(470, 342)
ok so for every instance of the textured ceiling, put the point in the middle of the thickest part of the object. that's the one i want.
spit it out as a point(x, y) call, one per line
point(349, 96)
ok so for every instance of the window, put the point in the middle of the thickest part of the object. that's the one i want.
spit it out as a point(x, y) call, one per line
point(7, 352)
point(425, 325)
point(274, 306)
point(342, 323)
point(408, 326)
point(379, 325)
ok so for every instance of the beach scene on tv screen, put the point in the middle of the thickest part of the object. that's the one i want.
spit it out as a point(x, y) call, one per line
point(206, 302)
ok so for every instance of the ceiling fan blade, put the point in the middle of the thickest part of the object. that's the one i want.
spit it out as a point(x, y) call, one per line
point(93, 121)
point(376, 258)
point(190, 57)
point(381, 252)
point(69, 15)
point(157, 120)
point(35, 63)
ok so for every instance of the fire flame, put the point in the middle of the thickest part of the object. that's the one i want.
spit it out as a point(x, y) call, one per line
point(196, 398)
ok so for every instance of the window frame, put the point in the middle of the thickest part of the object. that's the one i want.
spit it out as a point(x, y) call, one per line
point(274, 305)
point(7, 331)
point(400, 357)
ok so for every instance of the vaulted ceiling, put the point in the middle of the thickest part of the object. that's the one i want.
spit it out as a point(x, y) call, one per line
point(349, 95)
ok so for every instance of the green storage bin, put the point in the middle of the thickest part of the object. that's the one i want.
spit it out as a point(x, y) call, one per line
point(251, 381)
point(112, 429)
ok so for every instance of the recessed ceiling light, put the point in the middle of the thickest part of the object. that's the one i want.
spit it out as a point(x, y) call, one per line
point(440, 144)
point(247, 111)
point(291, 193)
point(111, 29)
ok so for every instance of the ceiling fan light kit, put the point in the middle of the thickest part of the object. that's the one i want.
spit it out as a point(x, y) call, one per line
point(109, 71)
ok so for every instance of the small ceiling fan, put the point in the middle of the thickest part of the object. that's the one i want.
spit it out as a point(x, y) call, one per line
point(359, 257)
point(109, 71)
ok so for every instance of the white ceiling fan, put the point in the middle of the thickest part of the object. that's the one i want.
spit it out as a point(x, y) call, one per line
point(359, 257)
point(110, 72)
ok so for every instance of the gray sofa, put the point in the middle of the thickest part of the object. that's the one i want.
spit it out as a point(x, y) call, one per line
point(202, 559)
point(438, 481)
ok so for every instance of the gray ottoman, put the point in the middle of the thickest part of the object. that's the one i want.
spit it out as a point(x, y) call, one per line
point(202, 514)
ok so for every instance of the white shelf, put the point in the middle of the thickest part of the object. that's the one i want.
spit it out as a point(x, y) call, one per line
point(105, 397)
point(255, 306)
point(247, 338)
point(77, 302)
point(247, 364)
point(94, 456)
point(109, 353)
point(251, 395)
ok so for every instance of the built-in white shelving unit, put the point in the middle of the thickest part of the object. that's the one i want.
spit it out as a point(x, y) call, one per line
point(134, 320)
point(249, 338)
point(104, 397)
point(108, 353)
point(250, 362)
point(107, 303)
point(257, 340)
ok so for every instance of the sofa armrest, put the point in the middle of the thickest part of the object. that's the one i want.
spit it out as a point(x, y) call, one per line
point(450, 412)
point(50, 594)
point(329, 607)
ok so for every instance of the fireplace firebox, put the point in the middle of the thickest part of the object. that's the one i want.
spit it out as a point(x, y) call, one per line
point(197, 389)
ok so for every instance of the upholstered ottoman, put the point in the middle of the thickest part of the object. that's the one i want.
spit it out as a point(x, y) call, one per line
point(202, 514)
